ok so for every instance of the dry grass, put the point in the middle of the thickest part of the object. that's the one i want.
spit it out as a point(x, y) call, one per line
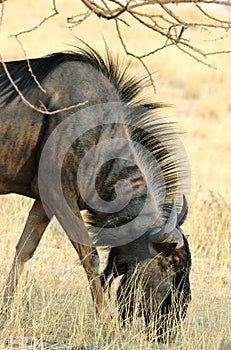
point(53, 300)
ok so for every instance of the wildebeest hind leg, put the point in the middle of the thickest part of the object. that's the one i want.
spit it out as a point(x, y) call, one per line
point(36, 224)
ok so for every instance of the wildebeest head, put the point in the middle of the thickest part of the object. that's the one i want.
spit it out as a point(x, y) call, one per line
point(155, 282)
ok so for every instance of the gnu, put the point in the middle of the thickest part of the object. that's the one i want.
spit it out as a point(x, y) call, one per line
point(77, 138)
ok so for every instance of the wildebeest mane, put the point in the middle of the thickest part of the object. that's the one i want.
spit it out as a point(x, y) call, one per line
point(144, 125)
point(22, 72)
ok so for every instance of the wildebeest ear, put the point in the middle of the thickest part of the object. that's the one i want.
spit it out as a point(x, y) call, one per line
point(164, 248)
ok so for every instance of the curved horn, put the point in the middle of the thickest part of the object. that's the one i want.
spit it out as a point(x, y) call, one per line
point(167, 232)
point(183, 213)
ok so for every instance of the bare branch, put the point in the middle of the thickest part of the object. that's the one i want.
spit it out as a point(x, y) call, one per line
point(55, 12)
point(2, 13)
point(140, 59)
point(159, 17)
point(78, 19)
point(108, 14)
point(29, 66)
point(167, 24)
point(211, 17)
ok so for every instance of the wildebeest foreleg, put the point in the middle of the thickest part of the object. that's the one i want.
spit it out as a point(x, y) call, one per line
point(36, 224)
point(89, 259)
